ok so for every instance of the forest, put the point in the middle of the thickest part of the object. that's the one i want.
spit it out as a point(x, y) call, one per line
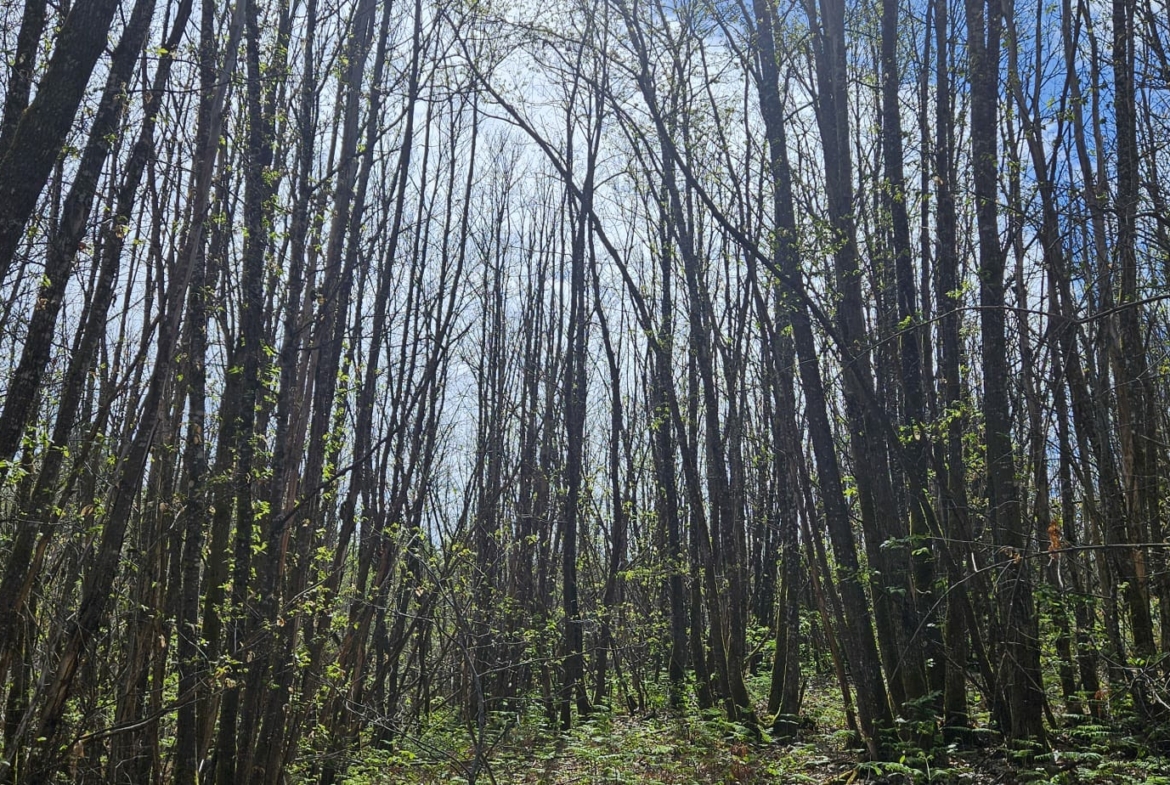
point(418, 390)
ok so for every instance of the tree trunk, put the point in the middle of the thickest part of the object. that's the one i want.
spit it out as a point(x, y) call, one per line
point(40, 133)
point(1019, 676)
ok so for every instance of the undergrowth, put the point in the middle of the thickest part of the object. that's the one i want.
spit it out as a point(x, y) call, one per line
point(657, 747)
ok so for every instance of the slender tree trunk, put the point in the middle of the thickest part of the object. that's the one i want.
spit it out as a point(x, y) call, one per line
point(36, 140)
point(65, 241)
point(23, 69)
point(1019, 675)
point(1137, 413)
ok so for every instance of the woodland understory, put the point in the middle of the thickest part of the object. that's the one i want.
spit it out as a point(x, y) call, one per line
point(584, 391)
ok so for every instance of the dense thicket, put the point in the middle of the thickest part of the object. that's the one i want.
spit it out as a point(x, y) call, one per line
point(371, 362)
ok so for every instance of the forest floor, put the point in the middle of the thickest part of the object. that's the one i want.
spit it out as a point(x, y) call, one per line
point(652, 749)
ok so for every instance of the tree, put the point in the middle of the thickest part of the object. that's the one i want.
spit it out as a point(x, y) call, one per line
point(376, 378)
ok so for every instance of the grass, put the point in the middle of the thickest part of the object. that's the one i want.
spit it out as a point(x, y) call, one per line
point(659, 749)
